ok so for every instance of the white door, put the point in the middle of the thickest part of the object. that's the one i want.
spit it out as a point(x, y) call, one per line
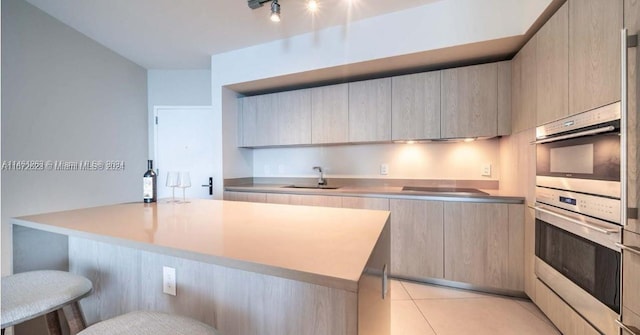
point(184, 142)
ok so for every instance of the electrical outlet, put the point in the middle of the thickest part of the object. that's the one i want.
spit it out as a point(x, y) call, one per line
point(486, 170)
point(168, 280)
point(384, 169)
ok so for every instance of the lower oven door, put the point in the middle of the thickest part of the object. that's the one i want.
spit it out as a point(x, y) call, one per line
point(578, 259)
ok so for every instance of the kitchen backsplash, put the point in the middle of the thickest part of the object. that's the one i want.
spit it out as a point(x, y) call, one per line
point(452, 160)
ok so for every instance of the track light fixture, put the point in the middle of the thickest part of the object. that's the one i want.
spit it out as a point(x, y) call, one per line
point(275, 11)
point(312, 6)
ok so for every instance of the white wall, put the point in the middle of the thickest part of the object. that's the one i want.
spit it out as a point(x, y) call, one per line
point(66, 97)
point(406, 161)
point(176, 88)
point(433, 26)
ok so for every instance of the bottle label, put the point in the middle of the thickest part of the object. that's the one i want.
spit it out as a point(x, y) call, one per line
point(147, 189)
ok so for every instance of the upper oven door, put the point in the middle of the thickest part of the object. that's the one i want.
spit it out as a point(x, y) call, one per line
point(581, 153)
point(595, 157)
point(588, 164)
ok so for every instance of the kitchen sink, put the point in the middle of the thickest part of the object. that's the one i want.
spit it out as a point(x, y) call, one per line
point(316, 187)
point(444, 190)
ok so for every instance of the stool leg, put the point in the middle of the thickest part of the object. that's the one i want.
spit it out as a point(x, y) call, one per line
point(53, 323)
point(74, 318)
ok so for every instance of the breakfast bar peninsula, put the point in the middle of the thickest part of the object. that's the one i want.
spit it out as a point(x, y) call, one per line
point(244, 268)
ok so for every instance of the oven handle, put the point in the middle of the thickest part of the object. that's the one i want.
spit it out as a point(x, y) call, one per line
point(633, 250)
point(578, 222)
point(574, 135)
point(628, 329)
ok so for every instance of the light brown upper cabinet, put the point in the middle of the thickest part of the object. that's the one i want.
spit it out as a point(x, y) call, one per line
point(523, 87)
point(594, 53)
point(504, 98)
point(416, 106)
point(370, 110)
point(247, 108)
point(470, 101)
point(293, 110)
point(259, 121)
point(330, 114)
point(552, 57)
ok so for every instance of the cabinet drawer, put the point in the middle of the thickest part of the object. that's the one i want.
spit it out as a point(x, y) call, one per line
point(566, 319)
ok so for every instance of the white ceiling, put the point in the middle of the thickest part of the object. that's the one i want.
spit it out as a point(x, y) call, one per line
point(183, 34)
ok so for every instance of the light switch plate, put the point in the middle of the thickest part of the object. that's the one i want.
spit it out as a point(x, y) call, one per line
point(384, 169)
point(168, 280)
point(486, 170)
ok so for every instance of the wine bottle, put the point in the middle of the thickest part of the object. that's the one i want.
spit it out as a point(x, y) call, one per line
point(150, 184)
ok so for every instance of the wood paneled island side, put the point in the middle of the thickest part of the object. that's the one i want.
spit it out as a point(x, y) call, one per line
point(244, 268)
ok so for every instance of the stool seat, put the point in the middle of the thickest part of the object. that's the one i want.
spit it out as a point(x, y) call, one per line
point(149, 323)
point(31, 294)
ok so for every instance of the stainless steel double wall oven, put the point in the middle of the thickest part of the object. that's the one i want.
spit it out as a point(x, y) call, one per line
point(578, 212)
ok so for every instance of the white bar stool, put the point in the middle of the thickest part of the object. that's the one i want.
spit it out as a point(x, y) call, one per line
point(28, 295)
point(149, 323)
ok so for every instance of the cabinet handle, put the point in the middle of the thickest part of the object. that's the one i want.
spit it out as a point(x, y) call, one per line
point(629, 329)
point(385, 281)
point(623, 128)
point(633, 250)
point(578, 222)
point(574, 135)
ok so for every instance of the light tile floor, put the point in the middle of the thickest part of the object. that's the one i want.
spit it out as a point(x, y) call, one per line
point(421, 309)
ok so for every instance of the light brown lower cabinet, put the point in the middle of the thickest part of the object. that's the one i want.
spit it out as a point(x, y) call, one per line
point(484, 244)
point(417, 238)
point(631, 281)
point(476, 243)
point(566, 319)
point(381, 204)
point(245, 196)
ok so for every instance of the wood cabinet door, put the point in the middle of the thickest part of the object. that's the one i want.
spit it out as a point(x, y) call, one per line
point(330, 114)
point(632, 23)
point(266, 132)
point(528, 87)
point(247, 121)
point(245, 196)
point(370, 110)
point(470, 101)
point(293, 110)
point(594, 53)
point(476, 240)
point(366, 203)
point(517, 122)
point(316, 200)
point(552, 57)
point(416, 106)
point(417, 229)
point(504, 98)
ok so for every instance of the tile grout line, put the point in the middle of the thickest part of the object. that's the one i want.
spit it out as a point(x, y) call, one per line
point(545, 319)
point(419, 310)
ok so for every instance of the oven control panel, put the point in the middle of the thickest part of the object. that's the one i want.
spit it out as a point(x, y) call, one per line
point(600, 115)
point(599, 207)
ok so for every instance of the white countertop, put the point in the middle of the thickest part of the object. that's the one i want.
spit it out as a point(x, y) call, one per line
point(325, 246)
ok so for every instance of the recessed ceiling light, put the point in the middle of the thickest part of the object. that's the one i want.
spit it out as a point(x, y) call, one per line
point(471, 139)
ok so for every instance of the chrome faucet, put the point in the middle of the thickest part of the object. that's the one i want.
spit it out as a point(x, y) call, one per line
point(321, 180)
